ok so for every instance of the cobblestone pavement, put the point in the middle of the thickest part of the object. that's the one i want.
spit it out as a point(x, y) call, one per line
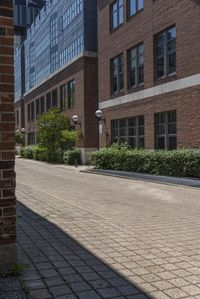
point(90, 236)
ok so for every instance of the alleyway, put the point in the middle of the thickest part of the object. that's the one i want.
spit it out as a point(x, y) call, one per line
point(89, 236)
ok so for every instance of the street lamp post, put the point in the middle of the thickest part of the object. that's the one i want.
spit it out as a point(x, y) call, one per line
point(99, 116)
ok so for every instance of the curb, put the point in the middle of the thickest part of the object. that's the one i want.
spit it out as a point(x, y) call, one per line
point(172, 181)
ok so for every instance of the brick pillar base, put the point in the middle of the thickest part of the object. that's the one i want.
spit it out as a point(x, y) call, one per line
point(7, 139)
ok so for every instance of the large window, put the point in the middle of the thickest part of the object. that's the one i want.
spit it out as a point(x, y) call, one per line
point(136, 66)
point(37, 108)
point(116, 13)
point(42, 105)
point(29, 112)
point(134, 6)
point(54, 98)
point(165, 129)
point(53, 32)
point(33, 111)
point(165, 53)
point(48, 101)
point(63, 96)
point(71, 91)
point(117, 74)
point(128, 130)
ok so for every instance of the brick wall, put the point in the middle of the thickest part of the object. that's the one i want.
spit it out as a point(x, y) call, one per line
point(155, 17)
point(7, 174)
point(142, 27)
point(84, 72)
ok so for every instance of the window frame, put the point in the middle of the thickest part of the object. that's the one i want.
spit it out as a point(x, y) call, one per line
point(118, 74)
point(166, 54)
point(137, 68)
point(63, 97)
point(112, 28)
point(166, 135)
point(127, 126)
point(128, 3)
point(71, 96)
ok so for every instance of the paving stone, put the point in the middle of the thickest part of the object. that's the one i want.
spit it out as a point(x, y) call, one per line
point(176, 293)
point(108, 292)
point(159, 295)
point(162, 285)
point(191, 290)
point(42, 294)
point(127, 290)
point(194, 279)
point(48, 273)
point(179, 282)
point(54, 281)
point(88, 294)
point(60, 290)
point(72, 278)
point(80, 286)
point(99, 284)
point(35, 284)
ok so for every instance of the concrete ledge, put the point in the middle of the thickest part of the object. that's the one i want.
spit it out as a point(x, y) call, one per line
point(147, 177)
point(8, 256)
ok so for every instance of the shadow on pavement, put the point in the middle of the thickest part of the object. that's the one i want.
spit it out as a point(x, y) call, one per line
point(61, 267)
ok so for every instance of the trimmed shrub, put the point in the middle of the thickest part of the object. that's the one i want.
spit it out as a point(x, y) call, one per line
point(55, 157)
point(71, 156)
point(27, 151)
point(180, 163)
point(40, 154)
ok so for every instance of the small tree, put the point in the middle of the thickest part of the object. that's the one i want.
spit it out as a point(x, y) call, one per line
point(54, 132)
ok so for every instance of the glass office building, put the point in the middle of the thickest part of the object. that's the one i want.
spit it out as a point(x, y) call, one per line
point(62, 30)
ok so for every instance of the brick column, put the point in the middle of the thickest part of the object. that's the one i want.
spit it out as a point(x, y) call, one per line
point(7, 138)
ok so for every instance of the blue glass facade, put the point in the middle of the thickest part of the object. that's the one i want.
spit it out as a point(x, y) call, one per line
point(61, 31)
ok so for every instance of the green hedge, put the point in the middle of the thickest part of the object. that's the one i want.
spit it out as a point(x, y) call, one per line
point(41, 154)
point(71, 156)
point(180, 163)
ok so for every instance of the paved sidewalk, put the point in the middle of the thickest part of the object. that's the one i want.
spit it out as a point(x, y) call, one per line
point(87, 236)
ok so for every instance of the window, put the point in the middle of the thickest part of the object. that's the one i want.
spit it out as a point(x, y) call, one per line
point(128, 130)
point(117, 74)
point(48, 99)
point(71, 90)
point(29, 112)
point(135, 6)
point(37, 107)
point(54, 98)
point(42, 108)
point(116, 13)
point(33, 111)
point(53, 32)
point(165, 128)
point(63, 95)
point(165, 53)
point(136, 66)
point(54, 61)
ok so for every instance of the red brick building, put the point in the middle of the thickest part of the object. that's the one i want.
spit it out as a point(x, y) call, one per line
point(57, 66)
point(55, 92)
point(7, 138)
point(149, 72)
